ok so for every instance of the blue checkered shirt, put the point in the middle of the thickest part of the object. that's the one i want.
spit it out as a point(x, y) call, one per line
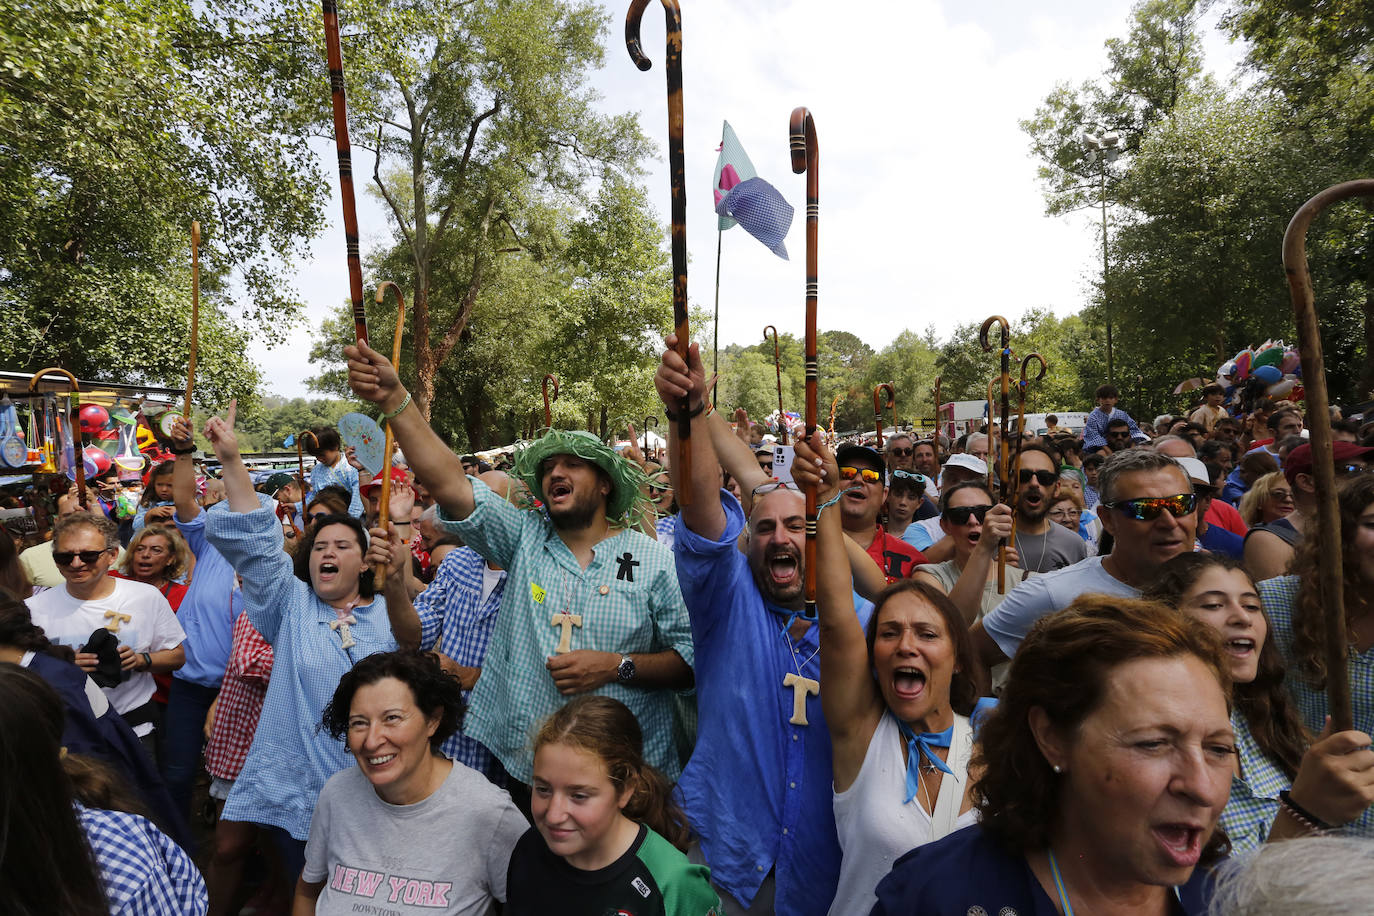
point(291, 758)
point(143, 872)
point(628, 599)
point(1279, 597)
point(1254, 801)
point(343, 475)
point(453, 613)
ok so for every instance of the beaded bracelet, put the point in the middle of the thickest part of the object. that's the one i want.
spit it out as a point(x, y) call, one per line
point(1304, 817)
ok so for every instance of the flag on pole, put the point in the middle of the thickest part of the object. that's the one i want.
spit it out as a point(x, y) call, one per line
point(732, 167)
point(741, 196)
point(763, 212)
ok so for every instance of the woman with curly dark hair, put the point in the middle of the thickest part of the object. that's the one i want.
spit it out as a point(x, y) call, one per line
point(1278, 776)
point(1296, 607)
point(407, 830)
point(1105, 771)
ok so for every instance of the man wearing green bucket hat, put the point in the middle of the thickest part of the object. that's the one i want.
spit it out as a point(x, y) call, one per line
point(591, 604)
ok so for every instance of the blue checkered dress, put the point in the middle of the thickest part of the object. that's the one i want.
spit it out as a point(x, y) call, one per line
point(628, 599)
point(291, 757)
point(1254, 801)
point(451, 611)
point(1280, 597)
point(143, 872)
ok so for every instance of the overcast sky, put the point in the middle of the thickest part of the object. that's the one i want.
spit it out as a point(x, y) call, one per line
point(930, 213)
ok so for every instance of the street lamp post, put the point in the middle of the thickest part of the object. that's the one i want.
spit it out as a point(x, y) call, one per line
point(1103, 146)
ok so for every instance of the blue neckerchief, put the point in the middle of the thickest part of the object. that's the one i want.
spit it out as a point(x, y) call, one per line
point(790, 617)
point(922, 744)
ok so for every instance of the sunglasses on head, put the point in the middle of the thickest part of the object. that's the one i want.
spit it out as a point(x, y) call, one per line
point(867, 474)
point(766, 488)
point(65, 557)
point(1149, 508)
point(907, 477)
point(902, 452)
point(959, 515)
point(1044, 478)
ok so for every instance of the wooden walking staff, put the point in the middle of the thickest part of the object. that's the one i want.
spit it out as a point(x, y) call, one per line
point(548, 410)
point(806, 158)
point(648, 421)
point(384, 507)
point(334, 55)
point(195, 318)
point(1003, 489)
point(1328, 532)
point(878, 406)
point(682, 460)
point(935, 440)
point(300, 458)
point(79, 464)
point(1021, 387)
point(777, 366)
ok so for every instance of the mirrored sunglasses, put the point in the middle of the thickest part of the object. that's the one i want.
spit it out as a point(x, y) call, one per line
point(867, 474)
point(1148, 509)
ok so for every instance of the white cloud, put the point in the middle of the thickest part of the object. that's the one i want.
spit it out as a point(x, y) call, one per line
point(929, 208)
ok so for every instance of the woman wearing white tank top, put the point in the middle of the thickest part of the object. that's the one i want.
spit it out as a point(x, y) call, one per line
point(896, 700)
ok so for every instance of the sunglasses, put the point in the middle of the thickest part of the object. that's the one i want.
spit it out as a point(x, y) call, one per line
point(65, 557)
point(902, 452)
point(765, 488)
point(1148, 509)
point(915, 480)
point(1044, 478)
point(867, 474)
point(959, 515)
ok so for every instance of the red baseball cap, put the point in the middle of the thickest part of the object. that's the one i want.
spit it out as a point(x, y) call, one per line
point(1300, 459)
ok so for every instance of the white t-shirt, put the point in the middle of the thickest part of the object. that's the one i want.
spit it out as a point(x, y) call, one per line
point(150, 627)
point(1010, 621)
point(446, 854)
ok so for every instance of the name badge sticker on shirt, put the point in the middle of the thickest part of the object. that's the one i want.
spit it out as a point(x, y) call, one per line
point(537, 592)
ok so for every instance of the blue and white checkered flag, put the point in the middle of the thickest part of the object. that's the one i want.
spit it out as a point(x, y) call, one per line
point(762, 210)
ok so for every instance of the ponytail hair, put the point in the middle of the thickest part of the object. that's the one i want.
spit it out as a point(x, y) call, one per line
point(608, 730)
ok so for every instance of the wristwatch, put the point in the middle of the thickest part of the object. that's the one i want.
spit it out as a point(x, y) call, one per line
point(625, 671)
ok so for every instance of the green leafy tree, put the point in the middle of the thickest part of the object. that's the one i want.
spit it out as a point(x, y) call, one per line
point(120, 122)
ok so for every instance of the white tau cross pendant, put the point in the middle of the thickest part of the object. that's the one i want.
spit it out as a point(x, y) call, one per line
point(567, 622)
point(801, 688)
point(115, 619)
point(344, 627)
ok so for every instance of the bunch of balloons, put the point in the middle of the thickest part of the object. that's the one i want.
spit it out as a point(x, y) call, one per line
point(1272, 369)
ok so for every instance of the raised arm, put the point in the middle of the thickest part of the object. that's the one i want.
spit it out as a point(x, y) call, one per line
point(849, 696)
point(675, 379)
point(967, 593)
point(238, 486)
point(374, 379)
point(184, 472)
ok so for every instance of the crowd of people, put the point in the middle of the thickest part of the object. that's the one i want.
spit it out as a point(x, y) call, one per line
point(1094, 682)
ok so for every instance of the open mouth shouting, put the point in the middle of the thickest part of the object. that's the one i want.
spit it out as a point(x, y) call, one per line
point(1240, 647)
point(558, 492)
point(908, 682)
point(1181, 843)
point(783, 567)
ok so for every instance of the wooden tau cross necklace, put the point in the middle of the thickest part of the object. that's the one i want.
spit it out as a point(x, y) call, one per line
point(801, 685)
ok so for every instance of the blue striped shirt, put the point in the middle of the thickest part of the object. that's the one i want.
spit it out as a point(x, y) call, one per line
point(453, 613)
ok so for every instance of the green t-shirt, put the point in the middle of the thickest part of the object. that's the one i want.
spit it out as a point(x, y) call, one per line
point(652, 878)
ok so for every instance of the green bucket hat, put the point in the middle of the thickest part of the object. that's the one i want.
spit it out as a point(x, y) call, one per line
point(627, 502)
